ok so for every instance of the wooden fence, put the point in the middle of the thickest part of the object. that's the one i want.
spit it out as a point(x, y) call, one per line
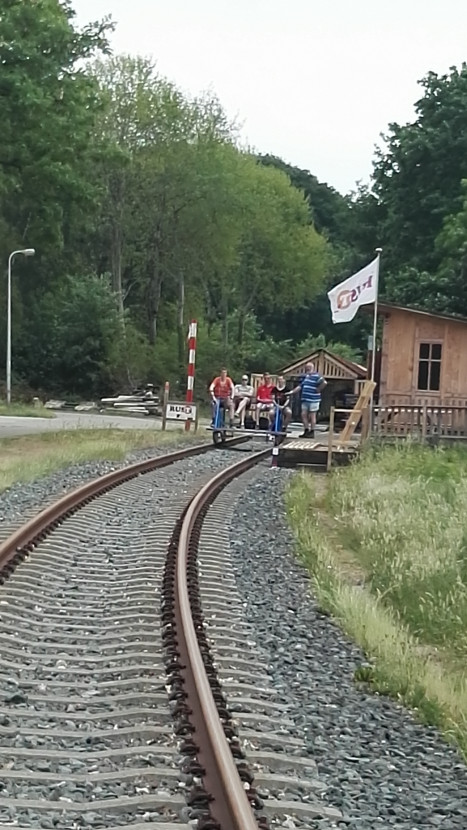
point(421, 421)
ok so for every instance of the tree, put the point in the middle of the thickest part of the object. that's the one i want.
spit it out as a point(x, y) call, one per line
point(282, 258)
point(350, 224)
point(277, 258)
point(450, 282)
point(48, 105)
point(179, 221)
point(144, 212)
point(311, 343)
point(71, 334)
point(140, 111)
point(161, 178)
point(329, 211)
point(417, 177)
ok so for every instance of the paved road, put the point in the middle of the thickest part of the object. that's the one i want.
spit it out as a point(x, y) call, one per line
point(13, 425)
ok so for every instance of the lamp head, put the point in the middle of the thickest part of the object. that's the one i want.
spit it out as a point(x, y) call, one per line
point(28, 251)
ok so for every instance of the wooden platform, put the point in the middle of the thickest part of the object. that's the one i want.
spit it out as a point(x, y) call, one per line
point(307, 452)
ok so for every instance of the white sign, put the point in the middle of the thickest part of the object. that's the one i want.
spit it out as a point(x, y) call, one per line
point(180, 412)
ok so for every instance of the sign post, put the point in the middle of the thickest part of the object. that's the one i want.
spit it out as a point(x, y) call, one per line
point(179, 411)
point(192, 332)
point(164, 404)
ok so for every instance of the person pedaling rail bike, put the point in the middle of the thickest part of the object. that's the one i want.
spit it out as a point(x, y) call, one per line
point(221, 390)
point(264, 399)
point(311, 386)
point(281, 397)
point(243, 393)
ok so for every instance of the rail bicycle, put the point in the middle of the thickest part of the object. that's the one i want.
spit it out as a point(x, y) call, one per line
point(220, 431)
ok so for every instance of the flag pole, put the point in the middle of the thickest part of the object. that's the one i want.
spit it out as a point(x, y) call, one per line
point(375, 319)
point(373, 349)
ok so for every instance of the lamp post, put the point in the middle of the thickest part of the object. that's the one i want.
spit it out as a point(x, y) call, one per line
point(25, 252)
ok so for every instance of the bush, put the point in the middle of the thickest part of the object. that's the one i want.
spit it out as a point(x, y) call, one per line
point(67, 342)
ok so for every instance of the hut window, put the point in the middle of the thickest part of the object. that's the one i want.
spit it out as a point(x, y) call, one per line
point(429, 367)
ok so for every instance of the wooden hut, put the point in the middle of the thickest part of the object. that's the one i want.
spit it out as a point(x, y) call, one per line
point(423, 377)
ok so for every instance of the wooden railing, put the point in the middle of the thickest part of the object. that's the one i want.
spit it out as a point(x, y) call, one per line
point(421, 421)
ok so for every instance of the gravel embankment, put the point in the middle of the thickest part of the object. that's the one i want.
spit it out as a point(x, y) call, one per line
point(382, 768)
point(35, 495)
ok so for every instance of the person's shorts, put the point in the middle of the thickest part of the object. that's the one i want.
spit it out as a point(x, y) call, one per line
point(310, 406)
point(238, 399)
point(286, 411)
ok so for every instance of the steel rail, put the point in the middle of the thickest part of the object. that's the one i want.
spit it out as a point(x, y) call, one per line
point(22, 541)
point(229, 805)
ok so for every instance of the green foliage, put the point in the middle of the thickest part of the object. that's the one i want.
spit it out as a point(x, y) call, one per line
point(144, 213)
point(313, 342)
point(406, 506)
point(108, 169)
point(329, 211)
point(70, 337)
point(48, 110)
point(351, 233)
point(194, 226)
point(418, 177)
point(162, 182)
point(411, 646)
point(281, 258)
point(421, 289)
point(257, 353)
point(416, 209)
point(451, 246)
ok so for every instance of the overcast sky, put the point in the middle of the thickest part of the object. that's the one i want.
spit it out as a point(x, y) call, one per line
point(312, 81)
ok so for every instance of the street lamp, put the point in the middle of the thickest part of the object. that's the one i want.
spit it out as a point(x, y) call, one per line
point(25, 252)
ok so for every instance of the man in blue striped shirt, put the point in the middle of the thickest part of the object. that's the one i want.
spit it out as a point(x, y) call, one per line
point(311, 386)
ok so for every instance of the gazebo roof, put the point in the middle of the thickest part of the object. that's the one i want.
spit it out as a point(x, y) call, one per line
point(329, 365)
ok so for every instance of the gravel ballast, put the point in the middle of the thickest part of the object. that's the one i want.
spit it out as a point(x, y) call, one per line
point(35, 495)
point(382, 768)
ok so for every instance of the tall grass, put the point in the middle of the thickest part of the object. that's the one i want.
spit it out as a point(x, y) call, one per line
point(404, 510)
point(387, 545)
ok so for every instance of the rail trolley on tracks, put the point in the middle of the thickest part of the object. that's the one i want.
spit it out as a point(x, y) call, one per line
point(220, 432)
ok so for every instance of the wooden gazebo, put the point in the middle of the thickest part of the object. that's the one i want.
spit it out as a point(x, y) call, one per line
point(344, 377)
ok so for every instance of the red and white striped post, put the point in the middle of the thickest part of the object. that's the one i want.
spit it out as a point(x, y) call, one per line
point(192, 331)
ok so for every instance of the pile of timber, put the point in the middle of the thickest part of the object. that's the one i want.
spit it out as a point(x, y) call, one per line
point(144, 403)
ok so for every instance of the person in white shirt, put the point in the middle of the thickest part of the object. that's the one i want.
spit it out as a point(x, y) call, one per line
point(243, 393)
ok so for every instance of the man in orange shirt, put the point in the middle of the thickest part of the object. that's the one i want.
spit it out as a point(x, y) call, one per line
point(264, 397)
point(221, 390)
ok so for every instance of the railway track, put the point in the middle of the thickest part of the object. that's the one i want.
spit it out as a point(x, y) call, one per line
point(130, 692)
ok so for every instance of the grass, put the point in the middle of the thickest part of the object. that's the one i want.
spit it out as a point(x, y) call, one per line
point(21, 409)
point(31, 456)
point(387, 545)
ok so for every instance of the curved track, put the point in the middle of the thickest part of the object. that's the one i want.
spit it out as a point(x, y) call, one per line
point(86, 732)
point(109, 634)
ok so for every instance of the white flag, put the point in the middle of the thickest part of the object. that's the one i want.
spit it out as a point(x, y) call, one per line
point(360, 289)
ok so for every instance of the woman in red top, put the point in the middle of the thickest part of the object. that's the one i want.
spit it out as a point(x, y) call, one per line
point(264, 398)
point(221, 390)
